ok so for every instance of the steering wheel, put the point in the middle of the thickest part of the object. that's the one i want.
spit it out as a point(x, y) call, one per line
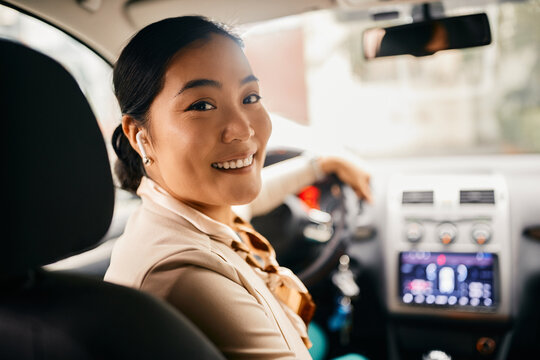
point(307, 241)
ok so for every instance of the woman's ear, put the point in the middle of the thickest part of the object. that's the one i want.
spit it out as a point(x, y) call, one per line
point(137, 138)
point(129, 126)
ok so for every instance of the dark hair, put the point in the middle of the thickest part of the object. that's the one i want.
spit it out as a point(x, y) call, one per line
point(138, 78)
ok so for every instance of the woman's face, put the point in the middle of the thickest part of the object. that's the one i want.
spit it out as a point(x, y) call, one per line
point(208, 128)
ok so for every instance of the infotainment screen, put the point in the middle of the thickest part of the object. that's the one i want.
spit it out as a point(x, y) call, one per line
point(447, 279)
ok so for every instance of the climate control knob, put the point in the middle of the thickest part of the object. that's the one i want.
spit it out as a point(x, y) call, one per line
point(481, 233)
point(447, 233)
point(414, 232)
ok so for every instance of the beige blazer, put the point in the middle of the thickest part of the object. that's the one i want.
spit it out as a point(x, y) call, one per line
point(179, 254)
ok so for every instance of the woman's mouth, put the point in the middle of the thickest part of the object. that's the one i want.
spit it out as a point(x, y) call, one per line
point(234, 164)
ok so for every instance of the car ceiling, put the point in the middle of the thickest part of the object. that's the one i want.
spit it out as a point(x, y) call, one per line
point(106, 25)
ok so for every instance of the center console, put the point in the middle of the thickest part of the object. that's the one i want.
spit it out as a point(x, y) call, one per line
point(447, 258)
point(447, 247)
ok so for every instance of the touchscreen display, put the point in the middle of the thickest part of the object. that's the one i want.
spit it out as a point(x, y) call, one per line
point(447, 279)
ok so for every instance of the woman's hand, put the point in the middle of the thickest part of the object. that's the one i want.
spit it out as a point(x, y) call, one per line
point(349, 173)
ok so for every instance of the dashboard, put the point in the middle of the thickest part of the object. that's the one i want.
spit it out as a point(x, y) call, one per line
point(443, 250)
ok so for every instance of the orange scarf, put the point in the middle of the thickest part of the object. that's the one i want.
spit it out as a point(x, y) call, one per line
point(259, 253)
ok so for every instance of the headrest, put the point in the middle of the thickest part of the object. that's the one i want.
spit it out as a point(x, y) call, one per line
point(59, 194)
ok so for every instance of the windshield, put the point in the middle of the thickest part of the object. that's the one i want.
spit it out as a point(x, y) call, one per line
point(483, 100)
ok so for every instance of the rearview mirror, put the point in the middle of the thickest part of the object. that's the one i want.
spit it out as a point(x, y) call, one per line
point(427, 37)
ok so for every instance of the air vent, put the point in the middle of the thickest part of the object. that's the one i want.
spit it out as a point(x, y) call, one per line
point(417, 197)
point(477, 197)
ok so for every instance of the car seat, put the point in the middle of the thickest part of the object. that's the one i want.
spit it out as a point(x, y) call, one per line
point(59, 201)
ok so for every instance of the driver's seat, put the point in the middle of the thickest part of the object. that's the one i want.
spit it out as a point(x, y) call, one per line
point(59, 201)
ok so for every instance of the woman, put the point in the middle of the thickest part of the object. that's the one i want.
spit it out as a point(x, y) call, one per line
point(192, 144)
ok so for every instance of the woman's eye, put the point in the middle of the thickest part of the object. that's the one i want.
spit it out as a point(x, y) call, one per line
point(201, 106)
point(252, 99)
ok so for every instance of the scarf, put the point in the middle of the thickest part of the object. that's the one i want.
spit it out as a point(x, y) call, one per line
point(257, 251)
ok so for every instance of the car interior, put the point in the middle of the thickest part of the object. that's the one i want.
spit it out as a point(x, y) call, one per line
point(438, 100)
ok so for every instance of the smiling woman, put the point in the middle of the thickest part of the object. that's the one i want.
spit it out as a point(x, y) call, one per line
point(192, 144)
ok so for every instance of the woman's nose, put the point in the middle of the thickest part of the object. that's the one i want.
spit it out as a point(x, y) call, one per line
point(238, 127)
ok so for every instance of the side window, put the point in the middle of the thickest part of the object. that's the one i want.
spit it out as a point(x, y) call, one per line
point(93, 74)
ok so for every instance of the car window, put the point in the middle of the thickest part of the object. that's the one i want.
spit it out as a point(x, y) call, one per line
point(92, 73)
point(483, 100)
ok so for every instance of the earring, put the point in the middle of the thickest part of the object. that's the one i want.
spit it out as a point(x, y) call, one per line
point(146, 160)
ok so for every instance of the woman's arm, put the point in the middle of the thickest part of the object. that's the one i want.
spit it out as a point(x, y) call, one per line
point(290, 176)
point(282, 179)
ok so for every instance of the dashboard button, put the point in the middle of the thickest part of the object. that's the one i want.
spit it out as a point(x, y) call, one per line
point(414, 232)
point(481, 233)
point(485, 346)
point(447, 233)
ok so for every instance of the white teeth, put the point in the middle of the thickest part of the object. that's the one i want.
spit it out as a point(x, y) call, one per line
point(234, 164)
